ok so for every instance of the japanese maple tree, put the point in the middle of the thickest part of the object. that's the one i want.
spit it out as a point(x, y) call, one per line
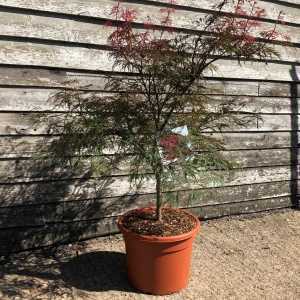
point(155, 117)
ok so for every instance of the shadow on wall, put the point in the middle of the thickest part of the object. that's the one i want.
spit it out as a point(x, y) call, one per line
point(64, 273)
point(43, 202)
point(295, 97)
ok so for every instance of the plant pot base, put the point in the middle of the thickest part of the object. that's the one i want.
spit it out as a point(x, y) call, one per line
point(158, 265)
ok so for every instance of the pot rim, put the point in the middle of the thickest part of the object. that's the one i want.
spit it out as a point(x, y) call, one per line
point(154, 238)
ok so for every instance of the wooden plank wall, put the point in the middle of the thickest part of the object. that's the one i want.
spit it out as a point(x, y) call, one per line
point(46, 43)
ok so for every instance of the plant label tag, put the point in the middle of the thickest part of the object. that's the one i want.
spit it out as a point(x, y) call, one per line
point(182, 130)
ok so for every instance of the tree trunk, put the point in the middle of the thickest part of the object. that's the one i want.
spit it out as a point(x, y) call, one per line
point(158, 196)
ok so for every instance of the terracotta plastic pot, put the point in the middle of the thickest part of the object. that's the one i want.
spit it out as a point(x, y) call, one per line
point(158, 265)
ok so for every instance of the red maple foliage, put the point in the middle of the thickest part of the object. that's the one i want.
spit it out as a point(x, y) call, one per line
point(163, 87)
point(238, 34)
point(170, 143)
point(165, 67)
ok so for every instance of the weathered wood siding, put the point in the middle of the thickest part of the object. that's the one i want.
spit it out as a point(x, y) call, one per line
point(44, 43)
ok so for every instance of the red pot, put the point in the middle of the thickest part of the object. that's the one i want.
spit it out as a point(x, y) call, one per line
point(158, 265)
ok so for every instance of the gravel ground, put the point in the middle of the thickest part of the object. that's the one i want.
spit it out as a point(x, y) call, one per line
point(234, 258)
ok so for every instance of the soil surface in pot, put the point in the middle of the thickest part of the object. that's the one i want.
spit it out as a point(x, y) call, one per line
point(174, 222)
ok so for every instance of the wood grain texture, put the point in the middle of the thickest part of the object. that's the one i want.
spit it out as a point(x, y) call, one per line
point(31, 237)
point(29, 99)
point(256, 140)
point(183, 19)
point(291, 1)
point(119, 185)
point(19, 147)
point(22, 146)
point(23, 123)
point(46, 44)
point(16, 239)
point(83, 210)
point(15, 24)
point(53, 29)
point(29, 54)
point(86, 191)
point(291, 13)
point(241, 208)
point(43, 78)
point(33, 168)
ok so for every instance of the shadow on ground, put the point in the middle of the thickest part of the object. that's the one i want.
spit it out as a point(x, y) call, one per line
point(62, 273)
point(102, 271)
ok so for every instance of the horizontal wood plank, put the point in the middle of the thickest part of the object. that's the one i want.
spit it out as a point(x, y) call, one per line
point(27, 146)
point(33, 168)
point(53, 29)
point(43, 78)
point(182, 18)
point(29, 99)
point(58, 194)
point(25, 123)
point(47, 28)
point(241, 208)
point(41, 214)
point(291, 14)
point(289, 1)
point(120, 185)
point(258, 140)
point(13, 240)
point(16, 239)
point(29, 54)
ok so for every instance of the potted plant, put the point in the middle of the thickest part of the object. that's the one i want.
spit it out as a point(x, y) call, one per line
point(156, 118)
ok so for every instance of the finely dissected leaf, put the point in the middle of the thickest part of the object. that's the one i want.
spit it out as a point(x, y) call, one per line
point(163, 88)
